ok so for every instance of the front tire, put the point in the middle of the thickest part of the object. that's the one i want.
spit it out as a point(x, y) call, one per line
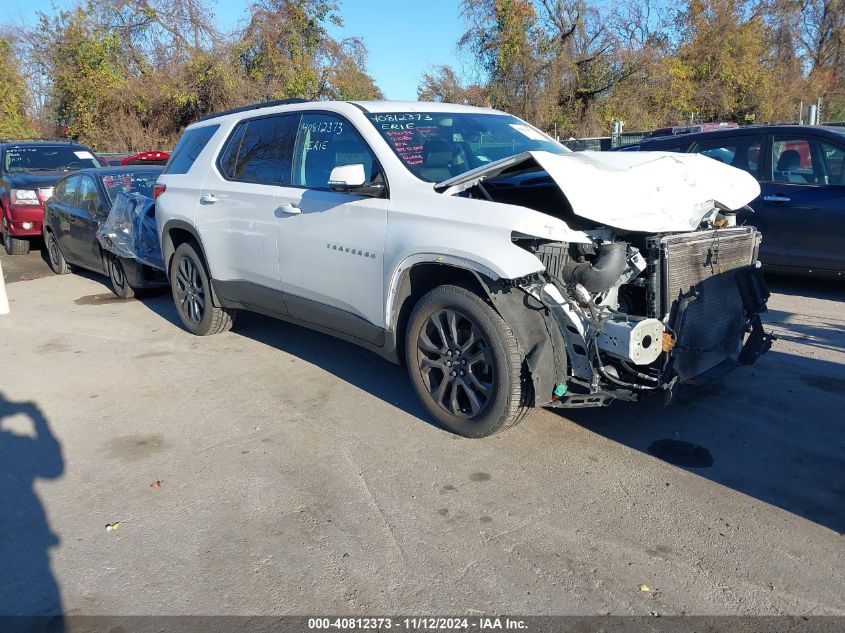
point(465, 363)
point(14, 245)
point(191, 289)
point(117, 275)
point(54, 255)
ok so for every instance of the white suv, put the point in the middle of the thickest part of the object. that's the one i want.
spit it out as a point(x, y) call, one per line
point(503, 270)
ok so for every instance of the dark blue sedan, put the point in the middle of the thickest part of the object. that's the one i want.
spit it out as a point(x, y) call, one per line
point(79, 206)
point(801, 208)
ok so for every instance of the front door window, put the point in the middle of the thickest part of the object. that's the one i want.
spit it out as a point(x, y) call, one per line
point(325, 142)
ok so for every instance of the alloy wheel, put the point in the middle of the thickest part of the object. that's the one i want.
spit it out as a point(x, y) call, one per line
point(190, 294)
point(456, 363)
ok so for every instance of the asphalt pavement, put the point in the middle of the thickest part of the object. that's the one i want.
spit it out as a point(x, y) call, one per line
point(273, 470)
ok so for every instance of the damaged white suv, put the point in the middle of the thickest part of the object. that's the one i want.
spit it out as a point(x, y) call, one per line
point(503, 270)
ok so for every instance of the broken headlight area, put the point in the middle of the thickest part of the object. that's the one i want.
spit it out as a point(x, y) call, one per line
point(645, 313)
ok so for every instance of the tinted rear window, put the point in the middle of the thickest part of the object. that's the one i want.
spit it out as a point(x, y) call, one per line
point(260, 150)
point(189, 148)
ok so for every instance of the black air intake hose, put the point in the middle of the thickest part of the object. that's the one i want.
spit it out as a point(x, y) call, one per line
point(599, 276)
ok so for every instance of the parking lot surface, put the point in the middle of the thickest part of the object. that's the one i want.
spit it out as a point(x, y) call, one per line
point(274, 470)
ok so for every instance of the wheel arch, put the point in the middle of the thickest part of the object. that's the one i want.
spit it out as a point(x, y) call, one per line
point(173, 235)
point(537, 331)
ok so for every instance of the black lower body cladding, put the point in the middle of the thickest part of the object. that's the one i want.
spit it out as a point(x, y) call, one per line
point(538, 334)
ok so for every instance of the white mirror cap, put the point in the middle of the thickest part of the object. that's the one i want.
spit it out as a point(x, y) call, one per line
point(349, 175)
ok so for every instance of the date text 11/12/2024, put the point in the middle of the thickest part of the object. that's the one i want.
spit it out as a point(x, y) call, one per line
point(417, 624)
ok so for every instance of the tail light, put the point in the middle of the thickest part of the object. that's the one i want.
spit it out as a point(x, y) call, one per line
point(158, 190)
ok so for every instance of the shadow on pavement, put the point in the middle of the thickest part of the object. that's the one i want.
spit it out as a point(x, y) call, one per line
point(833, 289)
point(357, 366)
point(774, 431)
point(24, 267)
point(27, 584)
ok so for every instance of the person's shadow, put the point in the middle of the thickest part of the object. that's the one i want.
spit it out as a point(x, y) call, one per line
point(27, 584)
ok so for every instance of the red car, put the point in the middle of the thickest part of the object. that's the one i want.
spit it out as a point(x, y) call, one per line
point(146, 158)
point(142, 158)
point(28, 171)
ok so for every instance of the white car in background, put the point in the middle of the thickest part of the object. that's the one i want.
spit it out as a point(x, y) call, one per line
point(503, 270)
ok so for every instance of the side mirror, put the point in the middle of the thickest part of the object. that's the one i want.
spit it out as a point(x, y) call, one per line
point(347, 177)
point(351, 179)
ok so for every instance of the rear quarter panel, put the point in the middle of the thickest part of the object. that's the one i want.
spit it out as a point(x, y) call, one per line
point(179, 202)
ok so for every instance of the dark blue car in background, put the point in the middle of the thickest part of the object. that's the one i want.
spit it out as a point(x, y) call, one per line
point(801, 208)
point(79, 206)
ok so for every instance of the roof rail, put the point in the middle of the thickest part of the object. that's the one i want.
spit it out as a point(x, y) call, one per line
point(254, 106)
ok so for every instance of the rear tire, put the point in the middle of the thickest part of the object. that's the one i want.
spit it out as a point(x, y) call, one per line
point(117, 275)
point(465, 363)
point(189, 282)
point(54, 255)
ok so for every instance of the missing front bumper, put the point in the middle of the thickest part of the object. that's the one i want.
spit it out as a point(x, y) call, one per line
point(718, 325)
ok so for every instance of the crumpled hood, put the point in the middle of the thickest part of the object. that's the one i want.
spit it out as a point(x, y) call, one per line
point(652, 192)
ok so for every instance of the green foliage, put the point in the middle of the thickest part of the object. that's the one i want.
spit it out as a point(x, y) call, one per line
point(13, 120)
point(85, 68)
point(574, 65)
point(128, 75)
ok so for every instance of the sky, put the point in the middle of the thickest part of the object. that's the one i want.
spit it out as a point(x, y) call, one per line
point(403, 42)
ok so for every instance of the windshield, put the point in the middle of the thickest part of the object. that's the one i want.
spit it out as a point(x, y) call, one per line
point(436, 146)
point(130, 182)
point(47, 158)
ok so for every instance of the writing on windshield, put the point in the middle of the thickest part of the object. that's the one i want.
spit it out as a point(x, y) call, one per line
point(436, 146)
point(140, 183)
point(47, 158)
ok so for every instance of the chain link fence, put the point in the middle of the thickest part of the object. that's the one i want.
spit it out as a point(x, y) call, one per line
point(605, 143)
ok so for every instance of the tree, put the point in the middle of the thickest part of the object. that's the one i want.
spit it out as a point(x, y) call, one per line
point(724, 64)
point(443, 84)
point(286, 51)
point(83, 63)
point(586, 60)
point(822, 39)
point(507, 41)
point(551, 61)
point(14, 122)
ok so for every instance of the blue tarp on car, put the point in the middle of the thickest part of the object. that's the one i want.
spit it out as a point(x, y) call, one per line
point(130, 230)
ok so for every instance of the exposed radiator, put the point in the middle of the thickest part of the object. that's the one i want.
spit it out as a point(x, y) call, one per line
point(702, 265)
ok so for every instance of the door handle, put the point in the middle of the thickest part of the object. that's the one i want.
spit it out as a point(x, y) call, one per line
point(208, 198)
point(290, 209)
point(777, 198)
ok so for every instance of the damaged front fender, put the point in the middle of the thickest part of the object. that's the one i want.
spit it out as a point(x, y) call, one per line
point(538, 334)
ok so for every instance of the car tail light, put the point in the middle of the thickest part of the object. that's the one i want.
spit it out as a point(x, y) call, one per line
point(158, 190)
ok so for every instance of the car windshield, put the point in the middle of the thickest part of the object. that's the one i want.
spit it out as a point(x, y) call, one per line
point(47, 158)
point(436, 146)
point(129, 182)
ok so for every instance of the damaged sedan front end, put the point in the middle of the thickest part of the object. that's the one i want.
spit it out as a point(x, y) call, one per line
point(656, 286)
